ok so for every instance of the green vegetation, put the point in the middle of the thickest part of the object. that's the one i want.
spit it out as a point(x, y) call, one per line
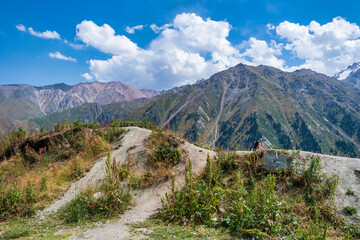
point(102, 202)
point(162, 154)
point(231, 194)
point(232, 198)
point(32, 177)
point(161, 230)
point(348, 210)
point(164, 148)
point(12, 138)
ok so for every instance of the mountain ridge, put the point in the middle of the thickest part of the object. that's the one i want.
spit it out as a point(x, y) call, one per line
point(23, 101)
point(243, 104)
point(262, 102)
point(350, 75)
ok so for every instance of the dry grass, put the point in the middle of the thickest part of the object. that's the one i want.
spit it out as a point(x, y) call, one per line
point(51, 180)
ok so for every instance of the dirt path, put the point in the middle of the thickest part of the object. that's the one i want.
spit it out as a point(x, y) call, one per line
point(135, 137)
point(147, 201)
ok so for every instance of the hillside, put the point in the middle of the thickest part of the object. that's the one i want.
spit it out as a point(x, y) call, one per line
point(243, 104)
point(58, 97)
point(238, 106)
point(23, 102)
point(90, 112)
point(164, 187)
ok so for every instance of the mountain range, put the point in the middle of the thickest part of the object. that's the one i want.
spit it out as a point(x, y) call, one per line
point(238, 106)
point(23, 102)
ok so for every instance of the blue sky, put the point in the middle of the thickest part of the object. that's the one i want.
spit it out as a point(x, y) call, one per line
point(189, 39)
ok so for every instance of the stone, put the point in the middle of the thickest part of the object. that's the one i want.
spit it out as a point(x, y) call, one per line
point(357, 172)
point(272, 161)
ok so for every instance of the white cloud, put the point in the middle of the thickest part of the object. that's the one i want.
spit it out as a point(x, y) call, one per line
point(47, 34)
point(187, 49)
point(270, 26)
point(131, 30)
point(104, 38)
point(190, 48)
point(87, 76)
point(326, 48)
point(157, 29)
point(21, 27)
point(58, 55)
point(261, 53)
point(74, 45)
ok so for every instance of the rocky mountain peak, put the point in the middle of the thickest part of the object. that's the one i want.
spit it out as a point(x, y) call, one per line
point(345, 73)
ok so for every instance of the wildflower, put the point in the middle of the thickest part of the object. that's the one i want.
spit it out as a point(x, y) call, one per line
point(271, 223)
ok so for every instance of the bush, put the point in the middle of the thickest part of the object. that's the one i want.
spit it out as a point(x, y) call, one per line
point(196, 203)
point(348, 210)
point(87, 206)
point(252, 202)
point(15, 201)
point(164, 148)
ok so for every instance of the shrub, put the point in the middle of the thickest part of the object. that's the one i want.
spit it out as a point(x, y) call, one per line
point(348, 210)
point(15, 201)
point(196, 203)
point(88, 207)
point(233, 193)
point(164, 148)
point(318, 186)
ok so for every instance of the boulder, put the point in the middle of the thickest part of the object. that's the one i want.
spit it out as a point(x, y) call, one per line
point(273, 160)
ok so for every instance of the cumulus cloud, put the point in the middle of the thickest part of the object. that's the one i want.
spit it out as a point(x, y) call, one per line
point(131, 30)
point(260, 52)
point(87, 76)
point(326, 48)
point(46, 35)
point(58, 55)
point(21, 27)
point(104, 38)
point(187, 49)
point(191, 47)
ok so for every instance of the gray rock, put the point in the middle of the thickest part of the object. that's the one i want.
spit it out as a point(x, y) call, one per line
point(357, 172)
point(274, 160)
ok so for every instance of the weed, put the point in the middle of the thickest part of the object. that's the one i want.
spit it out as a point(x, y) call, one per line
point(249, 202)
point(66, 158)
point(350, 192)
point(164, 148)
point(43, 184)
point(348, 210)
